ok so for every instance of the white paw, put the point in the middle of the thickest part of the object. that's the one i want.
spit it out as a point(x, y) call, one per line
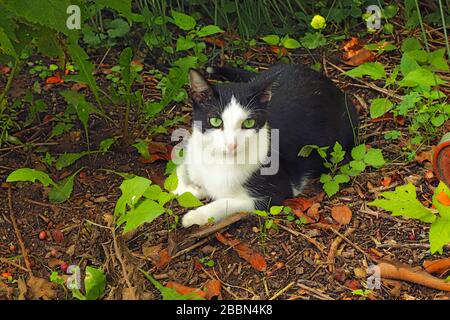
point(196, 191)
point(197, 216)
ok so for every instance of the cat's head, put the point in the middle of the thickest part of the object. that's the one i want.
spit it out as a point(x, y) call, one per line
point(230, 115)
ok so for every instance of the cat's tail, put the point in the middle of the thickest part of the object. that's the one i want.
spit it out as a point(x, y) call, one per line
point(232, 74)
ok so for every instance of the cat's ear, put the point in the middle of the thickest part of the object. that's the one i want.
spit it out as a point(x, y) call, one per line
point(200, 88)
point(263, 89)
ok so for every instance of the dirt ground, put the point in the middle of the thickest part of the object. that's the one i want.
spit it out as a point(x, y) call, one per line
point(301, 262)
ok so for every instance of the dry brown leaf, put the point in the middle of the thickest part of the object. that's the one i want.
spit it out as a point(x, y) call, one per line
point(160, 257)
point(423, 156)
point(212, 288)
point(255, 259)
point(23, 289)
point(342, 214)
point(53, 262)
point(181, 289)
point(41, 288)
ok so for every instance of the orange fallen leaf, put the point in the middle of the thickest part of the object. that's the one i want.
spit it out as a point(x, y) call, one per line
point(423, 156)
point(313, 211)
point(212, 288)
point(342, 214)
point(157, 151)
point(255, 259)
point(437, 266)
point(77, 86)
point(443, 198)
point(6, 275)
point(298, 203)
point(215, 41)
point(386, 181)
point(159, 257)
point(54, 79)
point(181, 289)
point(278, 50)
point(354, 53)
point(352, 43)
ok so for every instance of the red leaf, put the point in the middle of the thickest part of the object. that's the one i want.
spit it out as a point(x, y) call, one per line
point(212, 288)
point(255, 259)
point(181, 289)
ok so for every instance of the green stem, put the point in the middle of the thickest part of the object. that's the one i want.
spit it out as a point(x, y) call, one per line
point(10, 80)
point(445, 28)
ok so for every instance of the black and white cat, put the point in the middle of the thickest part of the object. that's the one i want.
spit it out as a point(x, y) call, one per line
point(230, 155)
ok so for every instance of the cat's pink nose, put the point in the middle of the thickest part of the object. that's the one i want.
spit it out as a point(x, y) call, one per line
point(231, 147)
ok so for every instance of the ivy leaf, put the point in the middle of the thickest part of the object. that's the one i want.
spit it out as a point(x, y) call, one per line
point(132, 190)
point(403, 202)
point(94, 283)
point(31, 175)
point(188, 200)
point(183, 21)
point(147, 211)
point(375, 70)
point(374, 158)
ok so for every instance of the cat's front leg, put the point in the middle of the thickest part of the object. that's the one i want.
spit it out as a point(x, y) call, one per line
point(217, 210)
point(186, 185)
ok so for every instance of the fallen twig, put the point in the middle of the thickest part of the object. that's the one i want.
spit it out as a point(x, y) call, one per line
point(18, 235)
point(334, 247)
point(398, 271)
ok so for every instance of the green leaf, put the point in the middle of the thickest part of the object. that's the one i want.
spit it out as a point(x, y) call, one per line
point(183, 21)
point(106, 144)
point(274, 210)
point(124, 61)
point(67, 159)
point(153, 192)
point(188, 200)
point(132, 191)
point(374, 158)
point(123, 7)
point(341, 178)
point(184, 43)
point(375, 70)
point(421, 77)
point(31, 175)
point(325, 178)
point(313, 40)
point(169, 293)
point(439, 235)
point(165, 197)
point(358, 152)
point(147, 211)
point(171, 182)
point(208, 30)
point(271, 39)
point(437, 59)
point(408, 64)
point(358, 165)
point(331, 187)
point(118, 28)
point(142, 147)
point(85, 67)
point(403, 202)
point(6, 46)
point(94, 283)
point(409, 101)
point(290, 43)
point(379, 107)
point(62, 191)
point(411, 44)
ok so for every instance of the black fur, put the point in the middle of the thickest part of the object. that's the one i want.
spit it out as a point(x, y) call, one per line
point(303, 104)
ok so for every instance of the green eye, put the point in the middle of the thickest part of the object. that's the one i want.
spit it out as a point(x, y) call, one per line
point(215, 122)
point(249, 123)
